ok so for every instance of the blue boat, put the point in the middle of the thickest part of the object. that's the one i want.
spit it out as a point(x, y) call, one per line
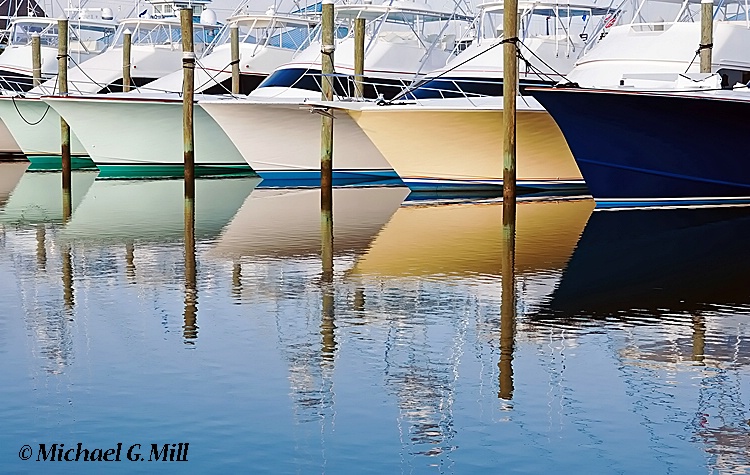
point(638, 148)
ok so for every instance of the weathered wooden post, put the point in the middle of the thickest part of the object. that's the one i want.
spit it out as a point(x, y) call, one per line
point(62, 84)
point(188, 74)
point(707, 34)
point(508, 300)
point(326, 80)
point(234, 32)
point(359, 58)
point(36, 59)
point(510, 89)
point(127, 41)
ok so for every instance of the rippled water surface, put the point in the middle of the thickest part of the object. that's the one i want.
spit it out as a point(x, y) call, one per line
point(618, 343)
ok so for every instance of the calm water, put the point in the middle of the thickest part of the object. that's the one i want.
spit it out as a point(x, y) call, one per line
point(626, 353)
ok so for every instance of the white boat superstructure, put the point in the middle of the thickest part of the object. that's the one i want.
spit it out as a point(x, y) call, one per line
point(640, 54)
point(156, 50)
point(267, 40)
point(552, 36)
point(403, 41)
point(90, 33)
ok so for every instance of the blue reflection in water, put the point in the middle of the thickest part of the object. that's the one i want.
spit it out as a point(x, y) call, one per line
point(620, 363)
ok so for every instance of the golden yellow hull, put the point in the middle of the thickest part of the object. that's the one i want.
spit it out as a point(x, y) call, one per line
point(464, 147)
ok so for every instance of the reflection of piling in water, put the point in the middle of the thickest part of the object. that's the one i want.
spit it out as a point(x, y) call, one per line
point(41, 247)
point(190, 328)
point(67, 203)
point(327, 325)
point(508, 303)
point(130, 259)
point(699, 338)
point(237, 280)
point(67, 277)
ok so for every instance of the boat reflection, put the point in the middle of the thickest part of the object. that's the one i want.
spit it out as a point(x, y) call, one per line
point(287, 222)
point(38, 198)
point(153, 211)
point(441, 241)
point(655, 262)
point(671, 280)
point(10, 175)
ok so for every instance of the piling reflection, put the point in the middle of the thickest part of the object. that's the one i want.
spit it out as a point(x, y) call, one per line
point(190, 315)
point(67, 278)
point(130, 260)
point(41, 247)
point(508, 304)
point(327, 324)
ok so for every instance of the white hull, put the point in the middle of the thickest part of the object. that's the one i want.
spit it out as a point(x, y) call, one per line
point(153, 137)
point(279, 140)
point(42, 138)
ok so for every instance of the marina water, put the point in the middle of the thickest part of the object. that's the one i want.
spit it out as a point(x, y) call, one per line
point(627, 351)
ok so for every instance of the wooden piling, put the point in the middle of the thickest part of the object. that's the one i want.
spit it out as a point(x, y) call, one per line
point(62, 84)
point(234, 32)
point(36, 59)
point(188, 71)
point(326, 128)
point(359, 57)
point(510, 90)
point(126, 44)
point(707, 33)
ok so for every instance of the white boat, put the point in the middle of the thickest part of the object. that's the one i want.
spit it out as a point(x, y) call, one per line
point(156, 51)
point(90, 33)
point(454, 117)
point(267, 40)
point(403, 41)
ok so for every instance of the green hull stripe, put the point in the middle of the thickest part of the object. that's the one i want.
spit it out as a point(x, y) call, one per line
point(54, 163)
point(171, 171)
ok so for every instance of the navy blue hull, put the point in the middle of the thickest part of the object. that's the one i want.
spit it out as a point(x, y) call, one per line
point(653, 149)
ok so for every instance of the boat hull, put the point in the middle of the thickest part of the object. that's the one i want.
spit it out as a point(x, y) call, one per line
point(36, 129)
point(435, 149)
point(150, 145)
point(637, 149)
point(282, 143)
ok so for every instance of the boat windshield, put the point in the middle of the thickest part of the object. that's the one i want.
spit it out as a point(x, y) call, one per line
point(83, 37)
point(21, 32)
point(152, 33)
point(269, 31)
